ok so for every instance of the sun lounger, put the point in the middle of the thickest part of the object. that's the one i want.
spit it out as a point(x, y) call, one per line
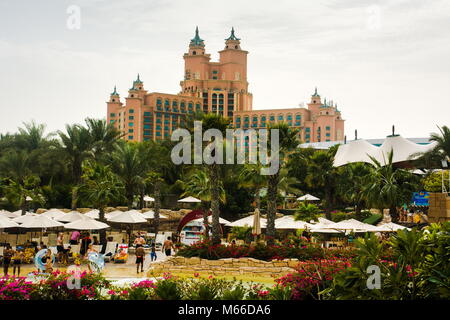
point(110, 250)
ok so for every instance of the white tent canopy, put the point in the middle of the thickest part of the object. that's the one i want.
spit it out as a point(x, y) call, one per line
point(189, 199)
point(246, 222)
point(113, 214)
point(7, 223)
point(360, 150)
point(307, 197)
point(41, 222)
point(70, 217)
point(86, 223)
point(131, 216)
point(288, 222)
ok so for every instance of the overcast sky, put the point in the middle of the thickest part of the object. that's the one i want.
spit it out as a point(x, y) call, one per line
point(384, 62)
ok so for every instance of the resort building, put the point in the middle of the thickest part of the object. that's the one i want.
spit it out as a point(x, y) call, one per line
point(220, 87)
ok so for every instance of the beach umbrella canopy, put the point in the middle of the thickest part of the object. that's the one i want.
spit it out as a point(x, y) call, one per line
point(149, 199)
point(321, 230)
point(41, 222)
point(354, 225)
point(221, 220)
point(256, 229)
point(93, 214)
point(131, 216)
point(7, 223)
point(323, 223)
point(86, 223)
point(391, 227)
point(25, 218)
point(113, 214)
point(7, 214)
point(307, 197)
point(70, 217)
point(189, 199)
point(151, 215)
point(246, 222)
point(288, 222)
point(54, 214)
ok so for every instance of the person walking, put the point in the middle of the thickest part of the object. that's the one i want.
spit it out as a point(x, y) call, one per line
point(140, 256)
point(7, 255)
point(167, 247)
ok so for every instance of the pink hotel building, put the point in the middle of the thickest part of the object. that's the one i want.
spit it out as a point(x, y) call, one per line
point(219, 87)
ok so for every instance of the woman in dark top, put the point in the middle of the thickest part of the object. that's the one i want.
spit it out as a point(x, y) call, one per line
point(85, 242)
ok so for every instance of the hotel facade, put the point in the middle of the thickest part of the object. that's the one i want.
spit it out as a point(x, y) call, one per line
point(218, 87)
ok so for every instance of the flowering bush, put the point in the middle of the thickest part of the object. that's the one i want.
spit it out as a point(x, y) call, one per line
point(14, 288)
point(311, 277)
point(206, 250)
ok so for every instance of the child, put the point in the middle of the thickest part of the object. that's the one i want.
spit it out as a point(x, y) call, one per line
point(153, 252)
point(7, 255)
point(140, 256)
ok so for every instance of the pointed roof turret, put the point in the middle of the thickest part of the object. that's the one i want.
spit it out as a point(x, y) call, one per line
point(114, 92)
point(138, 80)
point(232, 36)
point(197, 41)
point(315, 94)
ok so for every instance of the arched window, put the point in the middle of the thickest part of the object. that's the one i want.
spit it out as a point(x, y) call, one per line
point(194, 53)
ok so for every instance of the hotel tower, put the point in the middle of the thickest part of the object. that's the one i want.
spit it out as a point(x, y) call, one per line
point(219, 87)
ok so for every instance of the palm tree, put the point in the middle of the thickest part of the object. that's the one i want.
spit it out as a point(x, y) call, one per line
point(104, 136)
point(76, 146)
point(127, 164)
point(250, 177)
point(352, 178)
point(154, 179)
point(441, 152)
point(199, 185)
point(288, 140)
point(389, 187)
point(99, 188)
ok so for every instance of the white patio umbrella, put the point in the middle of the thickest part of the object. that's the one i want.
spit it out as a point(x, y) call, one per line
point(321, 230)
point(70, 217)
point(7, 223)
point(288, 222)
point(391, 227)
point(149, 199)
point(151, 215)
point(7, 214)
point(307, 197)
point(126, 217)
point(40, 222)
point(247, 221)
point(113, 214)
point(25, 218)
point(353, 225)
point(323, 223)
point(54, 214)
point(190, 199)
point(86, 223)
point(221, 220)
point(94, 214)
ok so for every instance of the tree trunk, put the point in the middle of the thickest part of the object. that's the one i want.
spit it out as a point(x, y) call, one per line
point(214, 178)
point(157, 206)
point(130, 198)
point(206, 222)
point(141, 198)
point(272, 192)
point(23, 207)
point(102, 232)
point(73, 205)
point(258, 200)
point(328, 204)
point(393, 213)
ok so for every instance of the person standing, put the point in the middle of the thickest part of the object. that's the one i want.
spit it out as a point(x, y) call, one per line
point(7, 255)
point(153, 256)
point(167, 247)
point(74, 237)
point(18, 258)
point(140, 256)
point(139, 241)
point(85, 242)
